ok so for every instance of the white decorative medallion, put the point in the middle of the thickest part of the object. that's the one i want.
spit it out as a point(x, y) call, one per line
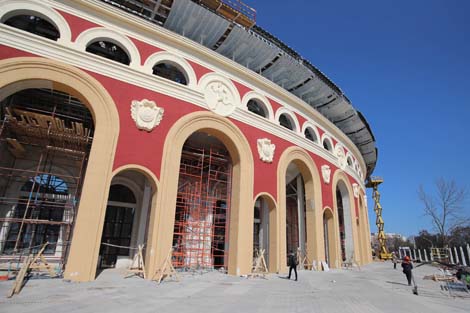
point(219, 98)
point(146, 114)
point(326, 173)
point(356, 190)
point(266, 150)
point(339, 152)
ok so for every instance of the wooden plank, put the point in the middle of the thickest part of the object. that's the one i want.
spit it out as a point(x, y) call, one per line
point(16, 288)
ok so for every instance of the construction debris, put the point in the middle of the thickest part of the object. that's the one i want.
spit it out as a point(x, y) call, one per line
point(32, 263)
point(259, 267)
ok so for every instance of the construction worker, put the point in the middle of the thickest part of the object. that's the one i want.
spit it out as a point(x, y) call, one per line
point(407, 267)
point(394, 260)
point(292, 262)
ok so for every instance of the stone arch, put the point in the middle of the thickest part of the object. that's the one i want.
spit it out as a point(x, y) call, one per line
point(146, 200)
point(15, 73)
point(253, 95)
point(340, 180)
point(241, 219)
point(313, 200)
point(10, 8)
point(310, 126)
point(101, 33)
point(171, 58)
point(273, 230)
point(291, 116)
point(327, 143)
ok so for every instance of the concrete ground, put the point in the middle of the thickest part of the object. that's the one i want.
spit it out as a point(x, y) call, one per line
point(375, 288)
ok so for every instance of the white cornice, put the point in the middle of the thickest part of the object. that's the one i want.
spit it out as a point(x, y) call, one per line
point(25, 41)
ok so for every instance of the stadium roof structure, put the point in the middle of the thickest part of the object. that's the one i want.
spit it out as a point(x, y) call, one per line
point(229, 29)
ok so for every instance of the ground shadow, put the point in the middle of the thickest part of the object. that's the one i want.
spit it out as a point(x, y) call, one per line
point(395, 283)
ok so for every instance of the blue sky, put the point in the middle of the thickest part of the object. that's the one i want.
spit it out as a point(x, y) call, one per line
point(406, 66)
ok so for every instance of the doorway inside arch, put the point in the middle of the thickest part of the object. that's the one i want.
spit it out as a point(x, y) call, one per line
point(296, 231)
point(261, 229)
point(117, 228)
point(202, 216)
point(45, 141)
point(328, 235)
point(344, 221)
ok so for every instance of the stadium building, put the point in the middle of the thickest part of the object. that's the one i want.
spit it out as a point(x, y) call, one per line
point(178, 125)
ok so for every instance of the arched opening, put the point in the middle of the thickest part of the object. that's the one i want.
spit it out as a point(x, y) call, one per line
point(310, 134)
point(45, 142)
point(126, 221)
point(202, 215)
point(329, 237)
point(264, 230)
point(256, 107)
point(117, 228)
point(109, 50)
point(343, 206)
point(327, 145)
point(296, 231)
point(35, 25)
point(286, 121)
point(170, 72)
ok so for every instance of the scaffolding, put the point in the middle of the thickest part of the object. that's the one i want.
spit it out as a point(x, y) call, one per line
point(200, 240)
point(373, 183)
point(45, 138)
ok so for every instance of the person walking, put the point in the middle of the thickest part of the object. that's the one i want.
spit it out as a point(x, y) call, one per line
point(407, 267)
point(394, 260)
point(292, 262)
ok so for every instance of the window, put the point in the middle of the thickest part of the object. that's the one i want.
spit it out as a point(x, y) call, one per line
point(286, 122)
point(109, 51)
point(350, 163)
point(327, 145)
point(171, 72)
point(55, 194)
point(35, 25)
point(255, 107)
point(310, 134)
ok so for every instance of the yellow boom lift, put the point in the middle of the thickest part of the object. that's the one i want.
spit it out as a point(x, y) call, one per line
point(373, 182)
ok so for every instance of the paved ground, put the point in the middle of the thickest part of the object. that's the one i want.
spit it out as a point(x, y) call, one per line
point(375, 288)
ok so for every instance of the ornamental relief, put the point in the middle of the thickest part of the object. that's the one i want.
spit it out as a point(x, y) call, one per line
point(219, 98)
point(326, 173)
point(266, 150)
point(339, 153)
point(355, 190)
point(146, 114)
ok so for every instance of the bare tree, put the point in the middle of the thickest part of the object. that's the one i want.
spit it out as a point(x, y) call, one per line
point(446, 208)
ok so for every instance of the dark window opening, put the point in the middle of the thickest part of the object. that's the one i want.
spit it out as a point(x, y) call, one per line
point(255, 107)
point(310, 135)
point(327, 145)
point(35, 25)
point(109, 51)
point(171, 72)
point(285, 121)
